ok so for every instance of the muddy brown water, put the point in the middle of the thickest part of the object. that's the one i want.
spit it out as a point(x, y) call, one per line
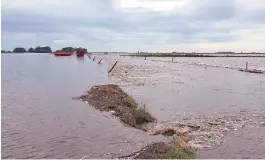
point(203, 90)
point(40, 119)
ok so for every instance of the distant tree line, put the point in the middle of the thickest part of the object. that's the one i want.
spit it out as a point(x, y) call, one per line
point(3, 51)
point(73, 49)
point(39, 49)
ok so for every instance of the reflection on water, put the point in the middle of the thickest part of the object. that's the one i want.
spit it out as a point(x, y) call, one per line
point(81, 59)
point(40, 119)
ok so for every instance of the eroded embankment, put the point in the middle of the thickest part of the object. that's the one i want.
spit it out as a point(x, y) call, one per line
point(192, 134)
point(195, 133)
point(112, 98)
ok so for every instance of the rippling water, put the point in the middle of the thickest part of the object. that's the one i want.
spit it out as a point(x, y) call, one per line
point(40, 119)
point(202, 91)
point(221, 62)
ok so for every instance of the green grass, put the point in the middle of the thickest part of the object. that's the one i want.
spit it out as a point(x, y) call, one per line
point(131, 101)
point(178, 153)
point(143, 116)
point(140, 114)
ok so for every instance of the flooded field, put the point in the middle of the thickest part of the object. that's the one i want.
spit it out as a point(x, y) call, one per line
point(219, 62)
point(208, 92)
point(40, 119)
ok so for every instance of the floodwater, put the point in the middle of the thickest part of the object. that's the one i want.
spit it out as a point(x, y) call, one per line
point(40, 119)
point(202, 91)
point(219, 62)
point(187, 87)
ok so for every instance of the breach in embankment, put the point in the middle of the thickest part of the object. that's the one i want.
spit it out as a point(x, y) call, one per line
point(112, 98)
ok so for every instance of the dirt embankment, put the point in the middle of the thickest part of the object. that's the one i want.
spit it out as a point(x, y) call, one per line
point(112, 98)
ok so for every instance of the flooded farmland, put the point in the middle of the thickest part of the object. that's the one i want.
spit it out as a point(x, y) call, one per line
point(209, 92)
point(40, 119)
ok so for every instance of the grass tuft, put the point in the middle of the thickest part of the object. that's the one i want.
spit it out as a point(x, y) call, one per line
point(143, 116)
point(178, 153)
point(131, 101)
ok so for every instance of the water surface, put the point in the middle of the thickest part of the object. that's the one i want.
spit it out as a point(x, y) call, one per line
point(40, 119)
point(201, 91)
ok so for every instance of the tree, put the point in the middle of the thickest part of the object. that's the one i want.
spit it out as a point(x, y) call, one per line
point(46, 49)
point(19, 50)
point(31, 50)
point(80, 48)
point(72, 49)
point(68, 49)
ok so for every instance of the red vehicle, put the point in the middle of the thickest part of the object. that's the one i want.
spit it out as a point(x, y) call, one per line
point(63, 53)
point(80, 53)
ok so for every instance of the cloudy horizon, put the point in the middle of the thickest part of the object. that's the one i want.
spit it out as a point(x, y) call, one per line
point(132, 25)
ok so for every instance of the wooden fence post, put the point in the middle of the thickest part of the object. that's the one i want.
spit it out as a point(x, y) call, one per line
point(113, 66)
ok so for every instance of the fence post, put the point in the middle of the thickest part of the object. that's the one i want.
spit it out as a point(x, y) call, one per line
point(113, 66)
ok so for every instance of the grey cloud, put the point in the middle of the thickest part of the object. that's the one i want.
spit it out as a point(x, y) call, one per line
point(200, 21)
point(211, 10)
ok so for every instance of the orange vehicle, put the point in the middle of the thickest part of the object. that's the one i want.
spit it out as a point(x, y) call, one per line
point(80, 53)
point(63, 53)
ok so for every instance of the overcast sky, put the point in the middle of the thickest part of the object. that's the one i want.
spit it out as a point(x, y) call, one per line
point(132, 25)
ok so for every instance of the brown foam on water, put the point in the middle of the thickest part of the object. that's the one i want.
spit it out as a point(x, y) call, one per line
point(210, 132)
